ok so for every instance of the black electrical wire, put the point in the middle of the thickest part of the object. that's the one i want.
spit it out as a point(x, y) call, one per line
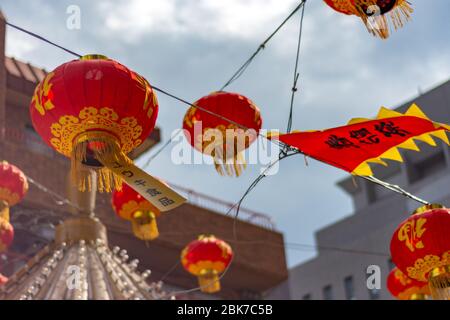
point(43, 39)
point(296, 73)
point(262, 46)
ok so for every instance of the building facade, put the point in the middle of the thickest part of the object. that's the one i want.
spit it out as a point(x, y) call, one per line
point(256, 267)
point(351, 249)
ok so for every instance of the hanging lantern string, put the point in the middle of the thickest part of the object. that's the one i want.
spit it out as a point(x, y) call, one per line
point(395, 188)
point(283, 146)
point(296, 73)
point(252, 186)
point(160, 150)
point(59, 200)
point(43, 39)
point(261, 47)
point(237, 205)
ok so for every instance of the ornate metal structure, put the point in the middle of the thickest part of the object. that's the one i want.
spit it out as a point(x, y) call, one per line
point(79, 265)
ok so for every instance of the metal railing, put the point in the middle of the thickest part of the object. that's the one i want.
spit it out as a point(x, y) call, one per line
point(223, 207)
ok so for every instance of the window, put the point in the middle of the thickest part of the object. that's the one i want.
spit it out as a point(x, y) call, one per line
point(307, 296)
point(349, 289)
point(429, 166)
point(328, 292)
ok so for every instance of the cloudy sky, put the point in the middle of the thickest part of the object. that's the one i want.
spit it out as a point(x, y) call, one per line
point(191, 47)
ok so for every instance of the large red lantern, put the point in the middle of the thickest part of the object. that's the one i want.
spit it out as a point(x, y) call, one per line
point(207, 257)
point(6, 234)
point(420, 247)
point(131, 206)
point(404, 288)
point(374, 13)
point(95, 111)
point(13, 187)
point(219, 138)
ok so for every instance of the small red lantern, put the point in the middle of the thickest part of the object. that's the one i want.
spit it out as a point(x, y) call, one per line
point(6, 234)
point(373, 13)
point(131, 206)
point(404, 288)
point(420, 247)
point(218, 137)
point(95, 111)
point(13, 187)
point(207, 257)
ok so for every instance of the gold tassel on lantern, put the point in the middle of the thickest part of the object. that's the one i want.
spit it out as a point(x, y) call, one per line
point(377, 22)
point(144, 225)
point(92, 150)
point(4, 210)
point(439, 283)
point(208, 281)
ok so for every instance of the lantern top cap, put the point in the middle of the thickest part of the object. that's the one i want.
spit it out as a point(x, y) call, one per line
point(205, 236)
point(428, 207)
point(94, 57)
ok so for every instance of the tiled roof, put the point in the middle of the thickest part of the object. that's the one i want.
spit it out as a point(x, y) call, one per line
point(24, 70)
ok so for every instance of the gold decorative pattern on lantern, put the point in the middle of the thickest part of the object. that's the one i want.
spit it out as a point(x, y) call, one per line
point(42, 97)
point(199, 267)
point(400, 276)
point(411, 232)
point(424, 265)
point(129, 208)
point(145, 86)
point(126, 129)
point(8, 196)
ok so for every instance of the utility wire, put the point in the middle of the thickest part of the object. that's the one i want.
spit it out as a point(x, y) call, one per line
point(262, 46)
point(43, 39)
point(296, 73)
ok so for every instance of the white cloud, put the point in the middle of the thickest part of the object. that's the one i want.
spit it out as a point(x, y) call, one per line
point(134, 19)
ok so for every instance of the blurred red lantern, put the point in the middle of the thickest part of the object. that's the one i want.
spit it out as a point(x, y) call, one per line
point(6, 234)
point(404, 288)
point(374, 13)
point(3, 279)
point(131, 206)
point(13, 187)
point(420, 247)
point(207, 257)
point(95, 111)
point(219, 138)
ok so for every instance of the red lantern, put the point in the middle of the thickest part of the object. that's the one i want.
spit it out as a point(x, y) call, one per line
point(3, 279)
point(131, 206)
point(6, 234)
point(207, 257)
point(404, 288)
point(373, 13)
point(218, 137)
point(13, 187)
point(95, 111)
point(342, 6)
point(420, 247)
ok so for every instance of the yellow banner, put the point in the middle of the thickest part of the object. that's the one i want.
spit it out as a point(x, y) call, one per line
point(156, 192)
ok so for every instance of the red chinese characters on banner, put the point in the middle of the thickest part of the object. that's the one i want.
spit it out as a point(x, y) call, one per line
point(363, 141)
